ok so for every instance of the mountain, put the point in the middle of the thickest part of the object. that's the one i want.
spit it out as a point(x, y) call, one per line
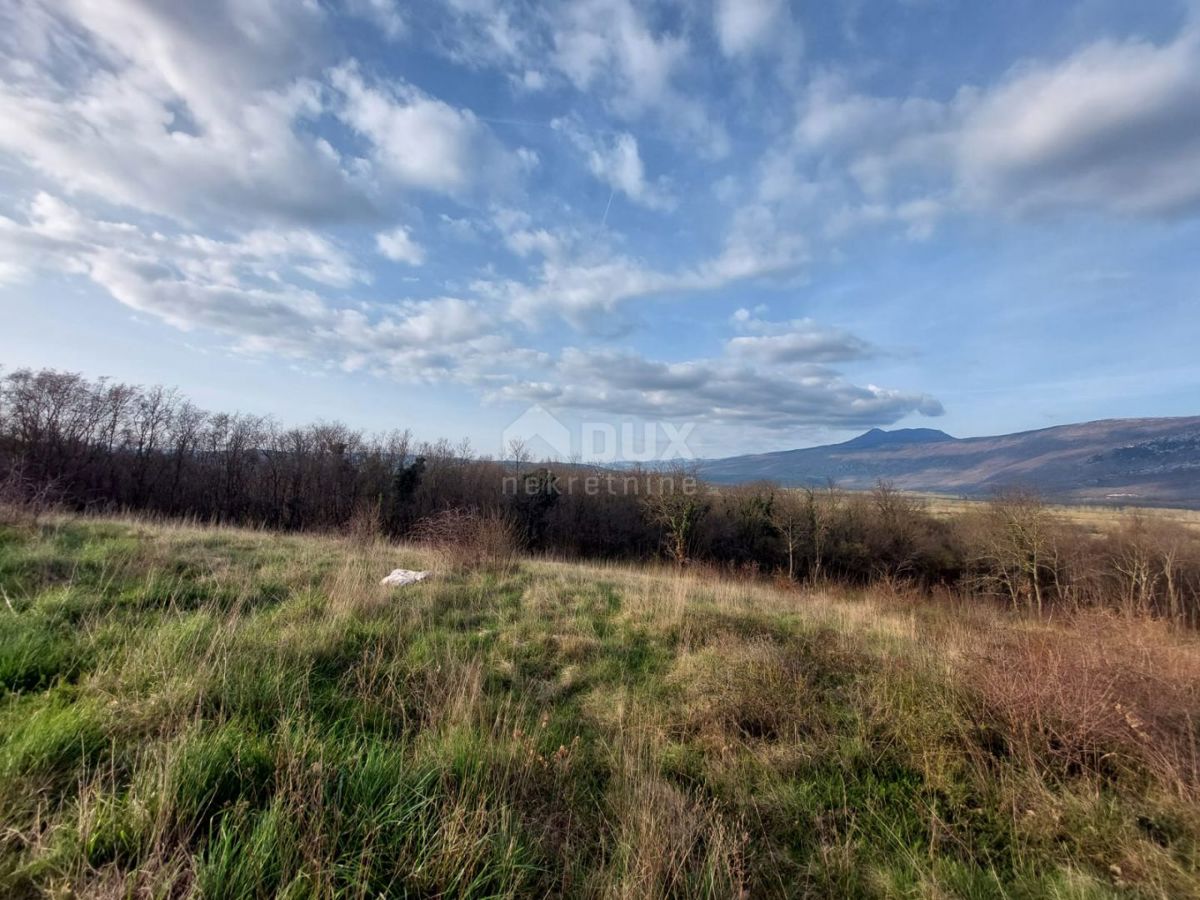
point(1142, 462)
point(877, 437)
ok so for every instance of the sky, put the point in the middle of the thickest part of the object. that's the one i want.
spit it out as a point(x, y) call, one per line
point(753, 223)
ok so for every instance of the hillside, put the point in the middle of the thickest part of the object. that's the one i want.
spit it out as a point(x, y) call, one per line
point(218, 713)
point(1139, 462)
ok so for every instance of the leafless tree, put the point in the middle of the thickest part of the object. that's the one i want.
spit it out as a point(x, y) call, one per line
point(673, 502)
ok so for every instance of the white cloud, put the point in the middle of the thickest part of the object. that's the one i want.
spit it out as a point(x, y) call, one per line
point(516, 228)
point(716, 392)
point(489, 32)
point(797, 341)
point(532, 80)
point(114, 139)
point(311, 255)
point(416, 140)
point(444, 321)
point(600, 39)
point(210, 55)
point(743, 25)
point(398, 246)
point(219, 112)
point(262, 291)
point(173, 108)
point(606, 45)
point(618, 164)
point(1115, 126)
point(589, 293)
point(1112, 128)
point(587, 284)
point(265, 291)
point(610, 49)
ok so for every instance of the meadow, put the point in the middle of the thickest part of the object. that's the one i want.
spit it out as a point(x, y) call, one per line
point(212, 712)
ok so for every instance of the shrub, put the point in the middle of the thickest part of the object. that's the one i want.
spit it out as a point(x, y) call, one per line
point(467, 540)
point(24, 499)
point(366, 522)
point(1112, 701)
point(1153, 568)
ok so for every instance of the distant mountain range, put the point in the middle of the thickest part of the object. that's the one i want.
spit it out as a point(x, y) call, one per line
point(1137, 462)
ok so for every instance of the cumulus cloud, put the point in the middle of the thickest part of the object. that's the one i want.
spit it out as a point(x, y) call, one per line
point(523, 237)
point(416, 140)
point(494, 33)
point(1114, 126)
point(607, 45)
point(263, 291)
point(398, 246)
point(743, 24)
point(1111, 128)
point(588, 291)
point(583, 281)
point(267, 292)
point(224, 161)
point(218, 112)
point(175, 109)
point(609, 49)
point(744, 27)
point(717, 392)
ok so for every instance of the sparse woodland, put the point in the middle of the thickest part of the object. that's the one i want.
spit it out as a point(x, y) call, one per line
point(105, 447)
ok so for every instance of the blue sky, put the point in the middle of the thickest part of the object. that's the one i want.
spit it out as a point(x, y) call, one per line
point(778, 224)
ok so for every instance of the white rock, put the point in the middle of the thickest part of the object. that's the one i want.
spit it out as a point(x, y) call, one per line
point(401, 577)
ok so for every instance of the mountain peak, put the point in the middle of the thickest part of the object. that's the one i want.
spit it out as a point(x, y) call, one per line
point(877, 437)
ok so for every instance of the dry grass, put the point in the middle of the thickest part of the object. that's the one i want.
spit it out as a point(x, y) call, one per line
point(666, 842)
point(465, 540)
point(206, 712)
point(1104, 695)
point(1097, 519)
point(742, 690)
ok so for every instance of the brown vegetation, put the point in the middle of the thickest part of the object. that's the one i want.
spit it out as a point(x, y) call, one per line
point(465, 540)
point(102, 446)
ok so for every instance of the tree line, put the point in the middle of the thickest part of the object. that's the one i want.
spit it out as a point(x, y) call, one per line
point(106, 446)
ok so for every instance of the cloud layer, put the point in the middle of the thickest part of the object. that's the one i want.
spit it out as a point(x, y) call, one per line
point(527, 200)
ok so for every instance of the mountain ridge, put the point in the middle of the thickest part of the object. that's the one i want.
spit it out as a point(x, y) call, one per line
point(1142, 461)
point(878, 437)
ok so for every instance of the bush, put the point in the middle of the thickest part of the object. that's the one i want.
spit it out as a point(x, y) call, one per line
point(1110, 701)
point(366, 522)
point(23, 499)
point(466, 540)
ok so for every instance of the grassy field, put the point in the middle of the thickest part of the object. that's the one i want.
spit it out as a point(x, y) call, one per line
point(1097, 518)
point(223, 713)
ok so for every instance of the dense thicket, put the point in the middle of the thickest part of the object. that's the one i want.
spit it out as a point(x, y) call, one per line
point(109, 446)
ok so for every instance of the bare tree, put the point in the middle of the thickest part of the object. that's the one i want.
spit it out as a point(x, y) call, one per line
point(673, 502)
point(1018, 549)
point(789, 517)
point(518, 454)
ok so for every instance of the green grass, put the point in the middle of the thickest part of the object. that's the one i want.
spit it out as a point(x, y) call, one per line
point(235, 714)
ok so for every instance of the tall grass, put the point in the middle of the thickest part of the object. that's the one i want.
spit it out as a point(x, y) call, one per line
point(207, 712)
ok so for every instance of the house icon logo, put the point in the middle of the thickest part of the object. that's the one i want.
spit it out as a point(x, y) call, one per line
point(543, 435)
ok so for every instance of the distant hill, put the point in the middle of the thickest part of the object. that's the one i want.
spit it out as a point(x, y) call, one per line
point(1143, 462)
point(877, 437)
